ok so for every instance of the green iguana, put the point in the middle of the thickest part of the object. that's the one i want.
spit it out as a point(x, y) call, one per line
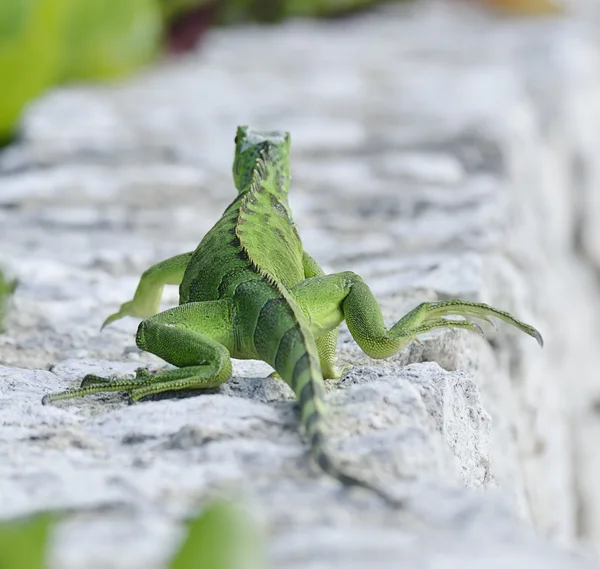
point(250, 291)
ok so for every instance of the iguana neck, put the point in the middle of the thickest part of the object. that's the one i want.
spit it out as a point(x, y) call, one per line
point(270, 176)
point(265, 228)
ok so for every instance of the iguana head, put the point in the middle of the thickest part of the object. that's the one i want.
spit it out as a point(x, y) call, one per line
point(273, 147)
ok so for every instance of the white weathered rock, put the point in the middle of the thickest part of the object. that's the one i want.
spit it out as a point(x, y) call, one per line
point(436, 152)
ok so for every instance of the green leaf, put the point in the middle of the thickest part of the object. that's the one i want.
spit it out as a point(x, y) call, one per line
point(7, 288)
point(223, 537)
point(30, 53)
point(43, 42)
point(109, 38)
point(23, 543)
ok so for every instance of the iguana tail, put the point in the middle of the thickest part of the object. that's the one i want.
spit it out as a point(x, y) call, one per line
point(296, 360)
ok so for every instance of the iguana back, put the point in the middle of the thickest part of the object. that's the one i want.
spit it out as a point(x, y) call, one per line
point(267, 239)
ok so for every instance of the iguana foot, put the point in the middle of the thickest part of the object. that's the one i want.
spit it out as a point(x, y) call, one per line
point(146, 300)
point(91, 384)
point(335, 372)
point(204, 376)
point(127, 309)
point(141, 374)
point(431, 315)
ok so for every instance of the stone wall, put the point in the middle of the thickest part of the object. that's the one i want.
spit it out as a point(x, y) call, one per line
point(438, 153)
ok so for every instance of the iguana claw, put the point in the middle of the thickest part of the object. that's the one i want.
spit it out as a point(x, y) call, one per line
point(125, 310)
point(489, 321)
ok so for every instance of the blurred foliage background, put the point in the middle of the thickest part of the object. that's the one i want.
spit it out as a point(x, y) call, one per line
point(46, 42)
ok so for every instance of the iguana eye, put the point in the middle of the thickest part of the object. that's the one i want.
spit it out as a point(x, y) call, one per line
point(235, 140)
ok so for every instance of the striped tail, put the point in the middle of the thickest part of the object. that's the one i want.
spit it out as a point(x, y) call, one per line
point(297, 362)
point(314, 425)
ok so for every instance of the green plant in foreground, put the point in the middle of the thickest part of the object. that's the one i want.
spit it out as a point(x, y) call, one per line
point(222, 537)
point(6, 290)
point(23, 543)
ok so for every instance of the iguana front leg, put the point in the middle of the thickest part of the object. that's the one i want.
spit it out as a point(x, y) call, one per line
point(196, 337)
point(328, 300)
point(327, 343)
point(146, 300)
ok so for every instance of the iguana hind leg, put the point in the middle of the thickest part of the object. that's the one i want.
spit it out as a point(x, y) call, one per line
point(196, 337)
point(326, 345)
point(146, 300)
point(328, 300)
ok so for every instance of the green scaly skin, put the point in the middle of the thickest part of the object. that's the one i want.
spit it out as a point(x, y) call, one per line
point(250, 291)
